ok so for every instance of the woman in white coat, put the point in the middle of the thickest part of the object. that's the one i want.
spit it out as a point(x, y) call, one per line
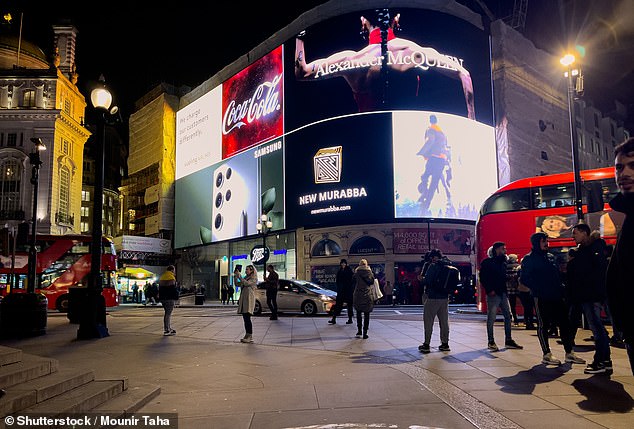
point(246, 302)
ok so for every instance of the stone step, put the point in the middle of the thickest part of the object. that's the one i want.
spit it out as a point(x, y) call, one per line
point(9, 355)
point(79, 400)
point(28, 368)
point(130, 401)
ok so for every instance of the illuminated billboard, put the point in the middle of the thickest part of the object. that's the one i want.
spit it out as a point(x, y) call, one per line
point(341, 171)
point(444, 165)
point(225, 200)
point(431, 61)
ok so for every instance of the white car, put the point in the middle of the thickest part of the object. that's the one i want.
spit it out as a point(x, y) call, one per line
point(297, 296)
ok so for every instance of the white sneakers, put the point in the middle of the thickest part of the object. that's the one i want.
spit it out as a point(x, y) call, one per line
point(573, 358)
point(548, 359)
point(247, 339)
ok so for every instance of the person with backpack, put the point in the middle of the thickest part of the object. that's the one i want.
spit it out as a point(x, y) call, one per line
point(439, 277)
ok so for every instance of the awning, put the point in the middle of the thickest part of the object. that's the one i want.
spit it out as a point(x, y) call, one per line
point(138, 272)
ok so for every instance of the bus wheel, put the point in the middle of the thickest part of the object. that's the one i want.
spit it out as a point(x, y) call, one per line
point(62, 304)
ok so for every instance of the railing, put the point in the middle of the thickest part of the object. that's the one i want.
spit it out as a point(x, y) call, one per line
point(64, 219)
point(11, 214)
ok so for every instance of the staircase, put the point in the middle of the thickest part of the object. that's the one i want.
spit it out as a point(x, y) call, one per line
point(36, 384)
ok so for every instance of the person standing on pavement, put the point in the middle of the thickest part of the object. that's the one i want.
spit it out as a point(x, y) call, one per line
point(246, 302)
point(619, 275)
point(586, 288)
point(345, 291)
point(541, 275)
point(237, 282)
point(512, 268)
point(389, 293)
point(168, 295)
point(272, 284)
point(493, 279)
point(363, 303)
point(438, 278)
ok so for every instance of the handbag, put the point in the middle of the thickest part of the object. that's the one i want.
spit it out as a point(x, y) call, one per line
point(375, 291)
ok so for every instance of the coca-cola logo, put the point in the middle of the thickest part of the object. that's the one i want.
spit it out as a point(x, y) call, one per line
point(264, 101)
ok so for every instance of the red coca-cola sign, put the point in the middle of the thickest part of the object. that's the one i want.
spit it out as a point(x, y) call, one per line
point(252, 105)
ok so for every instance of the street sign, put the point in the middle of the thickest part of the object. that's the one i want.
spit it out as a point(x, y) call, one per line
point(259, 254)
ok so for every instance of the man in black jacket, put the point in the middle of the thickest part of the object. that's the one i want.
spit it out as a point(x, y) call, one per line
point(345, 290)
point(493, 279)
point(619, 277)
point(540, 273)
point(586, 288)
point(438, 278)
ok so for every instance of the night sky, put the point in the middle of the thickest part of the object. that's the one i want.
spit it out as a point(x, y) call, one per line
point(136, 47)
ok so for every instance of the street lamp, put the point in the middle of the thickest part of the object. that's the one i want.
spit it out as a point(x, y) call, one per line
point(572, 74)
point(93, 311)
point(36, 163)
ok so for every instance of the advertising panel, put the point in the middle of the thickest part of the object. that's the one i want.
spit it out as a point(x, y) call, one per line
point(341, 171)
point(426, 60)
point(252, 105)
point(437, 159)
point(225, 200)
point(418, 241)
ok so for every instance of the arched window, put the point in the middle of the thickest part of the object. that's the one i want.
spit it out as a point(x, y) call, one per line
point(326, 247)
point(64, 195)
point(11, 171)
point(365, 245)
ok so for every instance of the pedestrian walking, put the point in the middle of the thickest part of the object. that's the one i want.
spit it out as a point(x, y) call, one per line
point(389, 293)
point(363, 303)
point(619, 276)
point(272, 285)
point(345, 291)
point(224, 293)
point(512, 269)
point(246, 302)
point(540, 273)
point(493, 279)
point(168, 295)
point(586, 288)
point(438, 277)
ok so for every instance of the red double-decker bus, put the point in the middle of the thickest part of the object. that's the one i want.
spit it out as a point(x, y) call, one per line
point(547, 204)
point(63, 261)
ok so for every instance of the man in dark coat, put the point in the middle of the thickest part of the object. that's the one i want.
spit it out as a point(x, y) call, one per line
point(619, 276)
point(540, 273)
point(272, 285)
point(586, 288)
point(345, 290)
point(493, 279)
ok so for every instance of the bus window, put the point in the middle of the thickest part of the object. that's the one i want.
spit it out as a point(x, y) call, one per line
point(554, 196)
point(516, 199)
point(608, 189)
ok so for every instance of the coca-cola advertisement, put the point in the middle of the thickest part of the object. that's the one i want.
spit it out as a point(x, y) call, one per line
point(252, 105)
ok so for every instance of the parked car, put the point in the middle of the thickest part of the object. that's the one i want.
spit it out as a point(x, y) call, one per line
point(297, 296)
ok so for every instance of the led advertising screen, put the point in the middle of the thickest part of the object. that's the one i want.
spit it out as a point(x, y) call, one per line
point(431, 61)
point(341, 171)
point(225, 200)
point(444, 165)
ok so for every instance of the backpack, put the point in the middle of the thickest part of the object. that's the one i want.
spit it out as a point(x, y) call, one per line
point(442, 278)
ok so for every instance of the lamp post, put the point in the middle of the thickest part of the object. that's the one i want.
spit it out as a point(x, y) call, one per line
point(24, 314)
point(93, 312)
point(572, 74)
point(36, 163)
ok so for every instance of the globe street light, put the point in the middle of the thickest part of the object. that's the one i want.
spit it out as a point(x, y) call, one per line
point(572, 74)
point(259, 255)
point(93, 310)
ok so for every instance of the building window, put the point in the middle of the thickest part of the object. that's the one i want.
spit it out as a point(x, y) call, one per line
point(28, 98)
point(85, 196)
point(85, 211)
point(326, 247)
point(84, 227)
point(64, 192)
point(86, 166)
point(12, 139)
point(596, 120)
point(67, 106)
point(10, 185)
point(65, 147)
point(612, 130)
point(365, 245)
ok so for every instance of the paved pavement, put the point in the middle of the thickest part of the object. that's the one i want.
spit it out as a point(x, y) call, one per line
point(303, 373)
